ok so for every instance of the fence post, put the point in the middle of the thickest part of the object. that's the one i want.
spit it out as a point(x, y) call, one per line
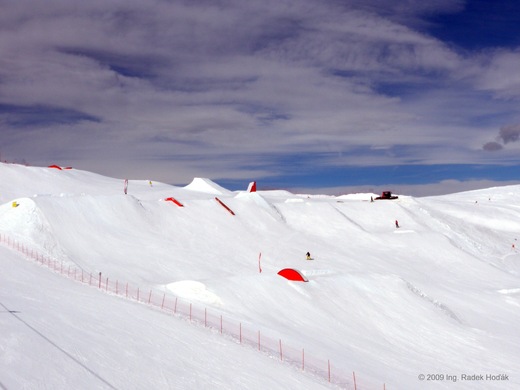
point(117, 287)
point(354, 376)
point(137, 294)
point(175, 307)
point(221, 323)
point(163, 298)
point(150, 297)
point(99, 284)
point(303, 359)
point(281, 354)
point(106, 285)
point(328, 363)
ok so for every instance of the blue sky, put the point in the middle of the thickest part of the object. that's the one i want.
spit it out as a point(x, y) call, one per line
point(319, 96)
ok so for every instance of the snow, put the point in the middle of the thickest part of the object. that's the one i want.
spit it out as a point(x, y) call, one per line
point(206, 185)
point(439, 295)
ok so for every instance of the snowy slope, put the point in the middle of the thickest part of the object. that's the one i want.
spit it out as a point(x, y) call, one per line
point(57, 334)
point(439, 295)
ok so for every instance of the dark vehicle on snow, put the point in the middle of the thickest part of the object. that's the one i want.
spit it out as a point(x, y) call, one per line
point(387, 195)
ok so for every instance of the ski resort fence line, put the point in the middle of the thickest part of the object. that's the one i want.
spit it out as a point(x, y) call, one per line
point(242, 333)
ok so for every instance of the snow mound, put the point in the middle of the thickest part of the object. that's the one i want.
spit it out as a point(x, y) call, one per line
point(206, 185)
point(27, 223)
point(193, 290)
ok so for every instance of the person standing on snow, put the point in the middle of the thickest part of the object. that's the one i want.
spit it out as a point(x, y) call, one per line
point(397, 224)
point(308, 255)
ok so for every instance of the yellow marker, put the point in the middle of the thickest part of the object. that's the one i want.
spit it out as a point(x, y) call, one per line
point(15, 204)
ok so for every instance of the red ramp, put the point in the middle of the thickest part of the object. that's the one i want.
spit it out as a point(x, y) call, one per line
point(58, 167)
point(224, 205)
point(173, 200)
point(293, 274)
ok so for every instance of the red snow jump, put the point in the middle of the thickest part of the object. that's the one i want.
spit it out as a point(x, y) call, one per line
point(223, 205)
point(293, 274)
point(58, 167)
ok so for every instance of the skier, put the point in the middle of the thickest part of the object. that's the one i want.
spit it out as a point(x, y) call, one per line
point(397, 223)
point(308, 255)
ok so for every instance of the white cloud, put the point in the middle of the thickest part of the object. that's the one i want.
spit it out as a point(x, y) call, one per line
point(216, 82)
point(499, 73)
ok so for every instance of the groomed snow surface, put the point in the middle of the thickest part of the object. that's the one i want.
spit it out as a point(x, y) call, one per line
point(438, 297)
